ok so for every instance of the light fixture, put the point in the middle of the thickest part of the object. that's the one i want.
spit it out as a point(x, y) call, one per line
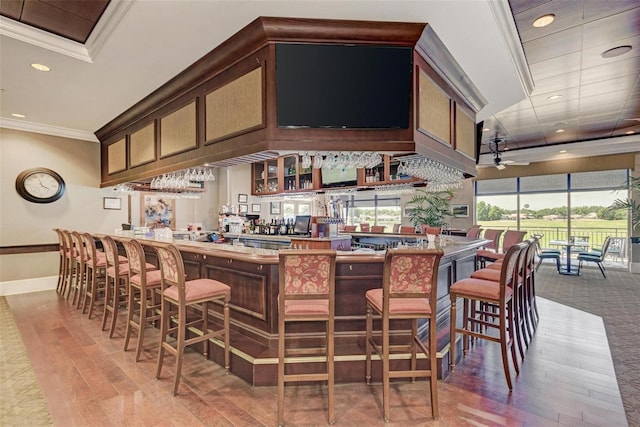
point(630, 132)
point(544, 20)
point(616, 51)
point(40, 67)
point(553, 97)
point(20, 116)
point(559, 130)
point(485, 129)
point(563, 151)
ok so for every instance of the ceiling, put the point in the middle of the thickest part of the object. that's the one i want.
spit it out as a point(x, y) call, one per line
point(138, 45)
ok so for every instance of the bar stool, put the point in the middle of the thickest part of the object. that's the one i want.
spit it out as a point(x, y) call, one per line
point(96, 265)
point(183, 295)
point(79, 268)
point(409, 291)
point(365, 227)
point(143, 282)
point(499, 315)
point(116, 274)
point(69, 260)
point(306, 294)
point(377, 228)
point(349, 228)
point(62, 268)
point(489, 248)
point(493, 274)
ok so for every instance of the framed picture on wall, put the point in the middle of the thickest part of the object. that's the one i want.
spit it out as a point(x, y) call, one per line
point(275, 208)
point(157, 211)
point(256, 207)
point(114, 203)
point(244, 208)
point(460, 211)
point(243, 198)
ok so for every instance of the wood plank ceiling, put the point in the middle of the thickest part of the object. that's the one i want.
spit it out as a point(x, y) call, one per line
point(579, 95)
point(72, 19)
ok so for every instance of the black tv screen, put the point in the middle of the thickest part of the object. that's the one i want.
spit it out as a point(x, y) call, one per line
point(343, 86)
point(302, 224)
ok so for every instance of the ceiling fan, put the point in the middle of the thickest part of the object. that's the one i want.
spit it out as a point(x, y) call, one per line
point(497, 151)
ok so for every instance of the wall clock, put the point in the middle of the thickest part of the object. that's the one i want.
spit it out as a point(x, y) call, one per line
point(40, 185)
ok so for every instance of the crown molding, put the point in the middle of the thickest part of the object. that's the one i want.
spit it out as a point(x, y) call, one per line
point(84, 52)
point(43, 39)
point(507, 27)
point(113, 14)
point(47, 130)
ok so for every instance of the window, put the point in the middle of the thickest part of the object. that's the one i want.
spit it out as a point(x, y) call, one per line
point(556, 206)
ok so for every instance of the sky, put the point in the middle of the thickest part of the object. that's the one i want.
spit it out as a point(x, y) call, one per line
point(550, 200)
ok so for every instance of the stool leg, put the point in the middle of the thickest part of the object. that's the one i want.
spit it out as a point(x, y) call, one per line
point(164, 321)
point(452, 333)
point(503, 345)
point(182, 330)
point(330, 369)
point(385, 368)
point(367, 344)
point(142, 322)
point(281, 370)
point(227, 345)
point(108, 290)
point(130, 309)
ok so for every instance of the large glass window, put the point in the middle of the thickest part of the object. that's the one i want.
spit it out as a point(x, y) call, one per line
point(557, 206)
point(372, 209)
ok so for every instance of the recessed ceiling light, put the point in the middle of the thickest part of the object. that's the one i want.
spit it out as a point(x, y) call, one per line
point(616, 51)
point(485, 129)
point(553, 97)
point(20, 116)
point(544, 20)
point(630, 132)
point(563, 151)
point(40, 67)
point(559, 130)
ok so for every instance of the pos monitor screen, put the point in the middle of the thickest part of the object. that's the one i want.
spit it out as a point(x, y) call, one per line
point(302, 224)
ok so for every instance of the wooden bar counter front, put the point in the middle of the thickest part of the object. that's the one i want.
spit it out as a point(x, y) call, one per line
point(252, 274)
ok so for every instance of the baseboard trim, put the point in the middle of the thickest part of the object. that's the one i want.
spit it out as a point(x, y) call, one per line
point(24, 286)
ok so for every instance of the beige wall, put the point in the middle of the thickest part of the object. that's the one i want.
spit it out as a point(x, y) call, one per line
point(80, 208)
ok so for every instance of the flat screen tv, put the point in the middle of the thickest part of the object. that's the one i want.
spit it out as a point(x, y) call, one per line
point(302, 224)
point(343, 86)
point(343, 177)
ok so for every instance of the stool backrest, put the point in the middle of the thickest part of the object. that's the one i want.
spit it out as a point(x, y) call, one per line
point(78, 245)
point(171, 269)
point(377, 228)
point(110, 250)
point(605, 247)
point(427, 229)
point(512, 237)
point(90, 247)
point(396, 228)
point(349, 228)
point(307, 274)
point(365, 227)
point(407, 229)
point(474, 232)
point(135, 255)
point(68, 243)
point(60, 240)
point(411, 273)
point(509, 270)
point(494, 236)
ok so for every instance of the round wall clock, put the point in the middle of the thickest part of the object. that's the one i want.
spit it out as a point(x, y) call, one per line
point(40, 185)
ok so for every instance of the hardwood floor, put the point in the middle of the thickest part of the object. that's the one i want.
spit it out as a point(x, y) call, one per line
point(567, 378)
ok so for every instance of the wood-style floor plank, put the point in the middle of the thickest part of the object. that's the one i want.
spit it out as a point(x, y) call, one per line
point(567, 378)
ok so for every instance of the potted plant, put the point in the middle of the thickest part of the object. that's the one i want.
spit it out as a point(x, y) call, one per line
point(630, 204)
point(430, 208)
point(634, 210)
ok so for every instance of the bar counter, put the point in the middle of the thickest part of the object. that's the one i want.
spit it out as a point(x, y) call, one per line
point(252, 274)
